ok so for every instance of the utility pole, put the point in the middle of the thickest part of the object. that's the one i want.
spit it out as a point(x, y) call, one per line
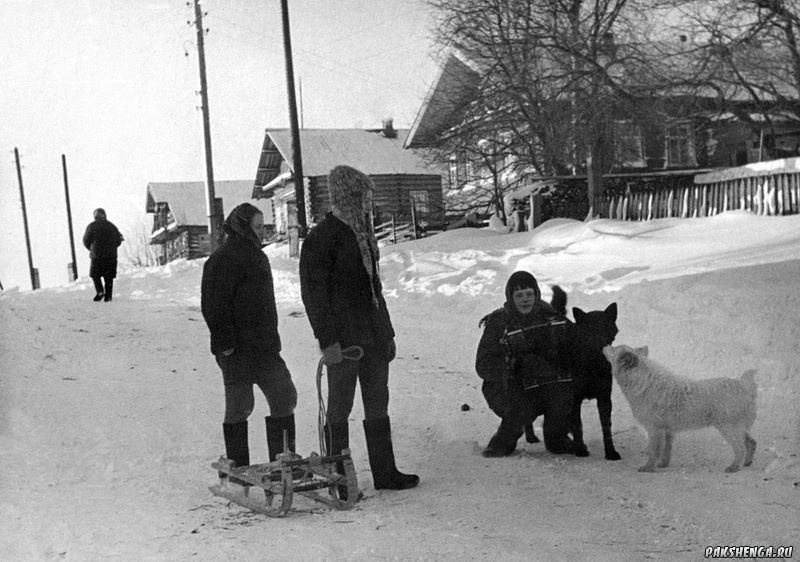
point(34, 280)
point(300, 87)
point(299, 188)
point(74, 264)
point(214, 220)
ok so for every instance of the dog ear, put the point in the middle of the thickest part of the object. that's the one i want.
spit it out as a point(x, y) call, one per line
point(578, 314)
point(627, 360)
point(611, 310)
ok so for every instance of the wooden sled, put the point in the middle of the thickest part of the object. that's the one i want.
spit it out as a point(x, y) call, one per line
point(314, 477)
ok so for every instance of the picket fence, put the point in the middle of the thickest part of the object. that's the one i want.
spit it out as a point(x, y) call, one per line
point(766, 188)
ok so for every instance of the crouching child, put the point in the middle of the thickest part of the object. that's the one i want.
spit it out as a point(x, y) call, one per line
point(522, 359)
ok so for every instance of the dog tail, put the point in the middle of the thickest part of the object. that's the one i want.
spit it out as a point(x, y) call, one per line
point(748, 380)
point(559, 300)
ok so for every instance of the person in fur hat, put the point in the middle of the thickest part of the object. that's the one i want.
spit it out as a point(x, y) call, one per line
point(102, 238)
point(523, 361)
point(342, 293)
point(238, 305)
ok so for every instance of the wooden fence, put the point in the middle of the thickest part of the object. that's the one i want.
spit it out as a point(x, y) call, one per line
point(766, 188)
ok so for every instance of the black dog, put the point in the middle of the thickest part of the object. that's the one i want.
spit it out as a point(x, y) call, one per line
point(591, 372)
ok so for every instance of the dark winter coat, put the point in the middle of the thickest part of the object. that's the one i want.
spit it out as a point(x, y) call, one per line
point(536, 360)
point(238, 298)
point(336, 290)
point(102, 238)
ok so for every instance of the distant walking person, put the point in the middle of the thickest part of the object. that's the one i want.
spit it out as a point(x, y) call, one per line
point(342, 293)
point(238, 303)
point(102, 240)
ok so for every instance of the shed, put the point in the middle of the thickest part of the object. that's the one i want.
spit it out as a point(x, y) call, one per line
point(180, 218)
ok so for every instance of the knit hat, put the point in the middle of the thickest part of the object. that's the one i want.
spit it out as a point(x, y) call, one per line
point(238, 222)
point(99, 213)
point(521, 280)
point(351, 196)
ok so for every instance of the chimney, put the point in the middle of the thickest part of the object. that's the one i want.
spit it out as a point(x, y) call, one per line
point(388, 128)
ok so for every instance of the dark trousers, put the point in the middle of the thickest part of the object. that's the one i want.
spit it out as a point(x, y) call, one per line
point(98, 284)
point(553, 401)
point(241, 370)
point(371, 372)
point(496, 395)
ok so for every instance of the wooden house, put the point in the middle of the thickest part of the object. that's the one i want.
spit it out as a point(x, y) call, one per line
point(678, 137)
point(180, 217)
point(406, 182)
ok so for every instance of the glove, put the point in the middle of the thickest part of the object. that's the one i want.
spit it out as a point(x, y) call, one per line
point(332, 354)
point(391, 350)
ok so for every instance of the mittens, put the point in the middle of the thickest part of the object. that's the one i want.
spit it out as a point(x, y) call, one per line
point(332, 354)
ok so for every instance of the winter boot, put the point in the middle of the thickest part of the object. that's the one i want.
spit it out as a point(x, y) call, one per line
point(496, 448)
point(504, 441)
point(530, 434)
point(236, 447)
point(109, 289)
point(275, 429)
point(98, 287)
point(381, 457)
point(560, 446)
point(556, 440)
point(557, 425)
point(337, 438)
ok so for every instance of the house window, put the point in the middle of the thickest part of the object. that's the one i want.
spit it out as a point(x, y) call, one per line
point(460, 169)
point(162, 217)
point(628, 145)
point(419, 198)
point(679, 144)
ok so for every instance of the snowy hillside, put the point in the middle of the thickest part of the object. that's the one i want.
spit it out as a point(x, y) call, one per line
point(110, 413)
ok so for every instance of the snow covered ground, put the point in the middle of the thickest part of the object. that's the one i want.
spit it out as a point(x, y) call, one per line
point(110, 413)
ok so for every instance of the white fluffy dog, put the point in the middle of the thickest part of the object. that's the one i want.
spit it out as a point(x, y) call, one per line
point(665, 404)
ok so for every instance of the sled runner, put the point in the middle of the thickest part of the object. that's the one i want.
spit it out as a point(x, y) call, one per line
point(322, 477)
point(314, 477)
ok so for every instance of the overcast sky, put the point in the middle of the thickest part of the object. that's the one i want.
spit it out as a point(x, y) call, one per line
point(113, 85)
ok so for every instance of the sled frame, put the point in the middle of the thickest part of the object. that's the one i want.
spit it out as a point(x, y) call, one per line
point(281, 479)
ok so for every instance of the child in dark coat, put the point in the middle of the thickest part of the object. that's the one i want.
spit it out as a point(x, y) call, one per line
point(522, 359)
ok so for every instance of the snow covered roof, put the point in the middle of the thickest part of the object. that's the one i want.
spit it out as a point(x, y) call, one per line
point(187, 199)
point(369, 150)
point(771, 167)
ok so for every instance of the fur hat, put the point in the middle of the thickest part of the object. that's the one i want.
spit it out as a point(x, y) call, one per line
point(521, 280)
point(350, 190)
point(99, 213)
point(238, 222)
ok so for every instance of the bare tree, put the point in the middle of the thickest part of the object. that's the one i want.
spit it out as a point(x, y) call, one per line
point(746, 53)
point(551, 74)
point(137, 248)
point(560, 78)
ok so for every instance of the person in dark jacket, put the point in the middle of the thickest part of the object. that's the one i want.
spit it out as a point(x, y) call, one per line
point(102, 238)
point(522, 358)
point(238, 305)
point(342, 293)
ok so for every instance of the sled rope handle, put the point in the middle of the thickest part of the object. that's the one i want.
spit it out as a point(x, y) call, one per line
point(352, 353)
